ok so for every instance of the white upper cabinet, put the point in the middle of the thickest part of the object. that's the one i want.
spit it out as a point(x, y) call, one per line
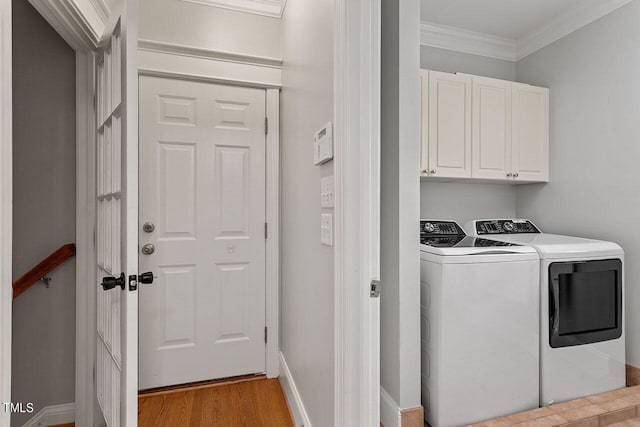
point(449, 125)
point(491, 129)
point(530, 133)
point(483, 129)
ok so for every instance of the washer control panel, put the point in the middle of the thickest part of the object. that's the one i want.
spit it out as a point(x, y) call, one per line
point(440, 228)
point(505, 226)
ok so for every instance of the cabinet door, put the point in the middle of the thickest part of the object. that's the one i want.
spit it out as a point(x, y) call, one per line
point(491, 129)
point(424, 123)
point(449, 125)
point(530, 133)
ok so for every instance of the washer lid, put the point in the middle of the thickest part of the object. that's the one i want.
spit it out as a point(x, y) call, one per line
point(468, 245)
point(559, 246)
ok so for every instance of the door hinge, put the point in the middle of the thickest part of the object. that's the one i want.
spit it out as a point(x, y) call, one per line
point(266, 230)
point(265, 334)
point(375, 288)
point(266, 125)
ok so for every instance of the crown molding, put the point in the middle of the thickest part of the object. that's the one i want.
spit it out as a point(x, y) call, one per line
point(102, 9)
point(80, 29)
point(450, 38)
point(565, 24)
point(272, 8)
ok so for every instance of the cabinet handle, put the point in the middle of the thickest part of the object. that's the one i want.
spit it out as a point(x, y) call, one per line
point(509, 175)
point(433, 171)
point(515, 175)
point(425, 171)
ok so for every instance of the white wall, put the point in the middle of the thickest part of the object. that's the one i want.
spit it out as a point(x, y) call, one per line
point(43, 347)
point(399, 199)
point(198, 25)
point(594, 143)
point(307, 276)
point(465, 201)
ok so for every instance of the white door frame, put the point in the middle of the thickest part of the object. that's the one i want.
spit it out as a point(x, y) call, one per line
point(70, 24)
point(357, 227)
point(6, 201)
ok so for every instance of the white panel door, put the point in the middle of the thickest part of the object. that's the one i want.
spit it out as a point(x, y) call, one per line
point(202, 171)
point(449, 125)
point(491, 129)
point(530, 133)
point(117, 218)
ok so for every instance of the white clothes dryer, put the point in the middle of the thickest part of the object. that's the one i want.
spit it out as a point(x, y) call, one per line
point(479, 303)
point(582, 350)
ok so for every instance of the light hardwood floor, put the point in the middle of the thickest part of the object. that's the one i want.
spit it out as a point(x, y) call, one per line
point(251, 402)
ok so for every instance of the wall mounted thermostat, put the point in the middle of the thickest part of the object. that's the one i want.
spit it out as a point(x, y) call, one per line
point(323, 145)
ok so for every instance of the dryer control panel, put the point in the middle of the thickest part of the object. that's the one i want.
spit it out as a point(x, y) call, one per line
point(505, 226)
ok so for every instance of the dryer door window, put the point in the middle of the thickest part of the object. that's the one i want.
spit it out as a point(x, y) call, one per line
point(585, 302)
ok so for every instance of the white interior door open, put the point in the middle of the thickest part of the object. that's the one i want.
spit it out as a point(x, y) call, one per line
point(117, 218)
point(202, 231)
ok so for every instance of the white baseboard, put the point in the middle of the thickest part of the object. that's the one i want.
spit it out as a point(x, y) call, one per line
point(293, 396)
point(53, 415)
point(389, 410)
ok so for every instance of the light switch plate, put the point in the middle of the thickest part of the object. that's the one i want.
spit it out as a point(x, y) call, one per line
point(323, 145)
point(326, 229)
point(327, 196)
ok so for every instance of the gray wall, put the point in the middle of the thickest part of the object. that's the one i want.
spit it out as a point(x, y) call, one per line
point(465, 201)
point(43, 347)
point(307, 274)
point(594, 142)
point(399, 199)
point(449, 61)
point(192, 24)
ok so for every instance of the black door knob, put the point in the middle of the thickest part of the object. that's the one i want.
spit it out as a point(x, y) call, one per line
point(112, 282)
point(146, 277)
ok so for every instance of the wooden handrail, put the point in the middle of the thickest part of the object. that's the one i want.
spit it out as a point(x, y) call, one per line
point(43, 268)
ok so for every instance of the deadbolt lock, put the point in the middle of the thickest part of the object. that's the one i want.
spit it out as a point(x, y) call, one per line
point(148, 227)
point(148, 249)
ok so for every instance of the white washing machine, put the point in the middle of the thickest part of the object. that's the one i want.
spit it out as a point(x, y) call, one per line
point(581, 321)
point(480, 329)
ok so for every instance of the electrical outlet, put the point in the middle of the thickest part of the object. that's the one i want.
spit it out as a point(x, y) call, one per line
point(327, 196)
point(326, 229)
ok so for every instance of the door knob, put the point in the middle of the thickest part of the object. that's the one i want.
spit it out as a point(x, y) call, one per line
point(432, 171)
point(112, 282)
point(148, 227)
point(148, 249)
point(142, 278)
point(509, 175)
point(146, 278)
point(515, 175)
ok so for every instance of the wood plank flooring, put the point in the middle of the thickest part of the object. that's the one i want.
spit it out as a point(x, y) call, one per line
point(252, 402)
